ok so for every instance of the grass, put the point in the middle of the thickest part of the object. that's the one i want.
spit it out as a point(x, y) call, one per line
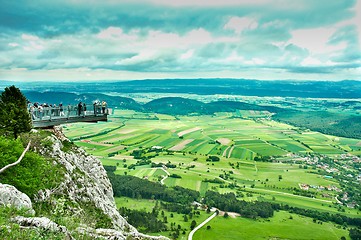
point(147, 205)
point(281, 226)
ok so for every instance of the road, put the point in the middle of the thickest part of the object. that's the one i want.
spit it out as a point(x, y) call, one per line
point(190, 236)
point(165, 177)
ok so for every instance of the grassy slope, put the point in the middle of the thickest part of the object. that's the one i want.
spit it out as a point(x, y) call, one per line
point(278, 227)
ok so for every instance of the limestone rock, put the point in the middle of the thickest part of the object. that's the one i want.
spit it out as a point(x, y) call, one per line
point(42, 223)
point(86, 180)
point(9, 195)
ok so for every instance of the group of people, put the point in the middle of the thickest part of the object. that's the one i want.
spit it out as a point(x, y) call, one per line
point(38, 111)
point(100, 107)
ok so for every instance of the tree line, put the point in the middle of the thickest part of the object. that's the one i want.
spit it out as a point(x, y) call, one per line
point(134, 187)
point(228, 202)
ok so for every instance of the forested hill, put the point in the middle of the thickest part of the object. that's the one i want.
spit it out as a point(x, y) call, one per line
point(183, 106)
point(73, 98)
point(166, 105)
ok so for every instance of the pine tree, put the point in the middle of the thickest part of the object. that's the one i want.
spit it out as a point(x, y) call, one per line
point(14, 115)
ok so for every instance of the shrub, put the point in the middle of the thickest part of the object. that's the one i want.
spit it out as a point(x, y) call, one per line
point(33, 173)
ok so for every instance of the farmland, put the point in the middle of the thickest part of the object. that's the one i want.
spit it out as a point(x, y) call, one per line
point(206, 135)
point(259, 159)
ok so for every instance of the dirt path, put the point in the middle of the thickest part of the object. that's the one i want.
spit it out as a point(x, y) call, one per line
point(225, 152)
point(190, 236)
point(165, 177)
point(230, 152)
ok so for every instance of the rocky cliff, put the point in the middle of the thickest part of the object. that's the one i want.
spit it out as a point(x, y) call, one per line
point(80, 205)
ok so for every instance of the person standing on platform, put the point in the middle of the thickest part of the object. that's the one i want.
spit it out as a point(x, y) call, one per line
point(104, 106)
point(80, 107)
point(32, 112)
point(69, 110)
point(61, 110)
point(95, 108)
point(40, 109)
point(84, 109)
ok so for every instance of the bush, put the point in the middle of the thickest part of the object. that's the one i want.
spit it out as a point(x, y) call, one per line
point(213, 159)
point(33, 173)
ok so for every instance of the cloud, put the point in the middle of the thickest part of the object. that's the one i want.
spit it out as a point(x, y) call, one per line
point(240, 24)
point(181, 38)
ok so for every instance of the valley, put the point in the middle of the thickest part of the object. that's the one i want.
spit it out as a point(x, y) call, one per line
point(243, 152)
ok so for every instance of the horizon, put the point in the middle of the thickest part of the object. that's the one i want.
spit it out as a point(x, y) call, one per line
point(266, 40)
point(175, 79)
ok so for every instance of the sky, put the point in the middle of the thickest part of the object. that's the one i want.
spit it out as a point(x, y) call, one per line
point(43, 40)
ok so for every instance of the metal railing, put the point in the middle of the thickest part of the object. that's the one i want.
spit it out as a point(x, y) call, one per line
point(41, 112)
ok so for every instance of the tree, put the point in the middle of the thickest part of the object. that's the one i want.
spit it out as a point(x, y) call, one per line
point(355, 234)
point(193, 224)
point(14, 116)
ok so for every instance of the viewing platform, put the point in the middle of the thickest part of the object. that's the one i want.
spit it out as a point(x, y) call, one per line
point(47, 116)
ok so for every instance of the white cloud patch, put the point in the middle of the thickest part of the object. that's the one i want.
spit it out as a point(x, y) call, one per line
point(13, 44)
point(310, 61)
point(116, 33)
point(29, 37)
point(315, 40)
point(187, 54)
point(239, 24)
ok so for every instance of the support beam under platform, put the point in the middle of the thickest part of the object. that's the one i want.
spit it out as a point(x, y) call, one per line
point(46, 123)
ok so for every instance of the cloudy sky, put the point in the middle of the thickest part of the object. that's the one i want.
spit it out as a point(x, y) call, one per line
point(146, 39)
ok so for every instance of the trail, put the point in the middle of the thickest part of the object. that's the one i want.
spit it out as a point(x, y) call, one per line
point(190, 236)
point(225, 152)
point(230, 151)
point(165, 177)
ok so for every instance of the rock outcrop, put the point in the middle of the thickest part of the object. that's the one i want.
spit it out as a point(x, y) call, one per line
point(10, 196)
point(84, 185)
point(85, 180)
point(41, 223)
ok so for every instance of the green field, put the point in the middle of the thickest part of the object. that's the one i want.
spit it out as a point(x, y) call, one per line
point(188, 141)
point(249, 137)
point(282, 226)
point(148, 205)
point(243, 139)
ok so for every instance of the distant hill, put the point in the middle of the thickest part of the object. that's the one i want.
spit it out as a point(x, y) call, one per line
point(183, 106)
point(89, 98)
point(176, 106)
point(315, 89)
point(231, 106)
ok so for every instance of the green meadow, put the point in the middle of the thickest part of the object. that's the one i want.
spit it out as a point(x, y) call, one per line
point(172, 217)
point(187, 141)
point(282, 226)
